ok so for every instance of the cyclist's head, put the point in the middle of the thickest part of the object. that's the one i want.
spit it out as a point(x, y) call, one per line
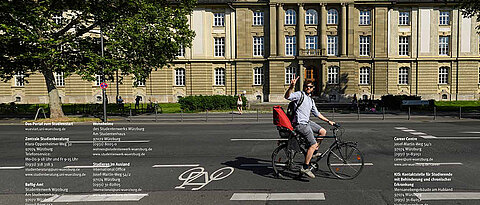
point(308, 86)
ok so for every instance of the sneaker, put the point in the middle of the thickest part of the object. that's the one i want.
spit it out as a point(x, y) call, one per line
point(308, 172)
point(316, 154)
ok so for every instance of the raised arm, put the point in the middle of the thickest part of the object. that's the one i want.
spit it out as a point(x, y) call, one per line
point(291, 87)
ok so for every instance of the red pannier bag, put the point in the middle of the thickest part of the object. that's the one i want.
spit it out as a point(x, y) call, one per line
point(280, 119)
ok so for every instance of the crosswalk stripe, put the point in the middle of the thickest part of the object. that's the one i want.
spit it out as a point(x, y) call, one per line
point(277, 196)
point(10, 168)
point(94, 198)
point(448, 196)
point(174, 165)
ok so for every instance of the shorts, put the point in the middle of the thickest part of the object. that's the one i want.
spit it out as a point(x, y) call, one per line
point(308, 130)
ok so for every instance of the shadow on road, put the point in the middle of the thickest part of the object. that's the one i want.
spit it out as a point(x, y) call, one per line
point(263, 168)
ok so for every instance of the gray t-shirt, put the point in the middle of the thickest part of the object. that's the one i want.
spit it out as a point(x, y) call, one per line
point(303, 112)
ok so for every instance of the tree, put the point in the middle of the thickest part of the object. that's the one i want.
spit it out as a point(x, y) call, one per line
point(470, 8)
point(62, 36)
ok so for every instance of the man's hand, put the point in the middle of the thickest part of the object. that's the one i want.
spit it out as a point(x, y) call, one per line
point(331, 122)
point(293, 82)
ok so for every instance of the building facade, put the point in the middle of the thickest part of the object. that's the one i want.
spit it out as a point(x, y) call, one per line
point(362, 48)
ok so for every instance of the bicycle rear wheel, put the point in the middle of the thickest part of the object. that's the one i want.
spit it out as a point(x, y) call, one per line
point(286, 163)
point(345, 161)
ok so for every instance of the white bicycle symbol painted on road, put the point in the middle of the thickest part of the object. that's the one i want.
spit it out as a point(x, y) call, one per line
point(198, 173)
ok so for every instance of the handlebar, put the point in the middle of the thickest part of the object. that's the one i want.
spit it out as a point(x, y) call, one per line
point(336, 125)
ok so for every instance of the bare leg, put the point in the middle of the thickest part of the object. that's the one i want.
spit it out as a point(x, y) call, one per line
point(310, 151)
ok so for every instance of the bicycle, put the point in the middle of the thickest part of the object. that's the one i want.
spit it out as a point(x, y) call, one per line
point(344, 159)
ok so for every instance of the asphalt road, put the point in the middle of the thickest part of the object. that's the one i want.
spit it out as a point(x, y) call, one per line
point(208, 147)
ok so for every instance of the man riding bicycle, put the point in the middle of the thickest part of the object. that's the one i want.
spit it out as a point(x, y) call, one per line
point(302, 122)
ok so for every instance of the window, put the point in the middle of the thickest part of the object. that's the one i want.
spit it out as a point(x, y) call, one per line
point(403, 76)
point(403, 42)
point(364, 76)
point(179, 77)
point(257, 46)
point(332, 74)
point(364, 17)
point(219, 44)
point(311, 42)
point(364, 45)
point(311, 17)
point(218, 19)
point(58, 19)
point(332, 16)
point(403, 18)
point(290, 17)
point(219, 76)
point(98, 80)
point(139, 82)
point(443, 45)
point(444, 18)
point(19, 79)
point(258, 18)
point(258, 76)
point(332, 45)
point(290, 46)
point(181, 51)
point(59, 79)
point(289, 74)
point(444, 96)
point(443, 75)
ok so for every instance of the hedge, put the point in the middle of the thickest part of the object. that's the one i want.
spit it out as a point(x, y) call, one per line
point(213, 102)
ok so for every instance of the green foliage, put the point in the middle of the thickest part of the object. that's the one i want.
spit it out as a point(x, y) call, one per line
point(214, 102)
point(139, 35)
point(470, 9)
point(395, 101)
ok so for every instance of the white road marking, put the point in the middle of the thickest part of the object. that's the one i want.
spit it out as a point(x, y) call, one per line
point(174, 165)
point(417, 133)
point(471, 132)
point(277, 196)
point(88, 142)
point(85, 167)
point(94, 197)
point(401, 128)
point(448, 196)
point(10, 168)
point(409, 130)
point(458, 138)
point(428, 137)
point(354, 164)
point(258, 139)
point(438, 164)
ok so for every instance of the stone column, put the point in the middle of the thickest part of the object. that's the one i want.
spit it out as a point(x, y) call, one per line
point(301, 74)
point(280, 29)
point(273, 28)
point(301, 29)
point(323, 29)
point(344, 29)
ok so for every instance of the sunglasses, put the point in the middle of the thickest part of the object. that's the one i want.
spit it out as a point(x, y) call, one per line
point(310, 86)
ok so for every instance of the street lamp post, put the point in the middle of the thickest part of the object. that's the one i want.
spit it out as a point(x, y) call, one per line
point(104, 94)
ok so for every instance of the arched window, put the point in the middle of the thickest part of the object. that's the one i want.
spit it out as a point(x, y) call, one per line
point(290, 17)
point(332, 16)
point(311, 17)
point(332, 74)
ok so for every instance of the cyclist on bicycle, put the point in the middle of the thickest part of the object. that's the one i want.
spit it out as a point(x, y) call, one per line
point(302, 122)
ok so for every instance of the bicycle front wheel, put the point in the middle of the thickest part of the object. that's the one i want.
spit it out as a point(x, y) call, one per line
point(286, 163)
point(345, 161)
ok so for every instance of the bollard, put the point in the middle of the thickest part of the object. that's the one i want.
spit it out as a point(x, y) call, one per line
point(383, 113)
point(460, 113)
point(207, 115)
point(181, 115)
point(333, 114)
point(232, 115)
point(408, 113)
point(257, 114)
point(130, 116)
point(155, 113)
point(434, 113)
point(358, 113)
